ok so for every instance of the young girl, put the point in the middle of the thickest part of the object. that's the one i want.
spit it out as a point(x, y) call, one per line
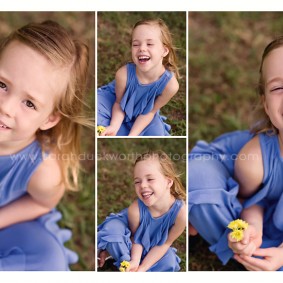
point(258, 168)
point(130, 104)
point(143, 233)
point(42, 78)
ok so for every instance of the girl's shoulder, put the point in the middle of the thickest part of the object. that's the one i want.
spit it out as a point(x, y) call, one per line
point(182, 214)
point(171, 87)
point(249, 170)
point(46, 182)
point(121, 72)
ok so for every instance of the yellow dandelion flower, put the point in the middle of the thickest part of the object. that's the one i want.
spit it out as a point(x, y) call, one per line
point(237, 235)
point(238, 224)
point(124, 265)
point(100, 130)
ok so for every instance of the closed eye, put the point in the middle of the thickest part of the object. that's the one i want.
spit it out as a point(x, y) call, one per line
point(277, 89)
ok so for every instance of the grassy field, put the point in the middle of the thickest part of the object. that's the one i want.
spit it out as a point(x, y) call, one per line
point(115, 189)
point(113, 40)
point(225, 51)
point(77, 208)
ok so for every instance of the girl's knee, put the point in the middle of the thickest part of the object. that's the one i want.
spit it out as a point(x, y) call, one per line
point(115, 226)
point(169, 262)
point(206, 173)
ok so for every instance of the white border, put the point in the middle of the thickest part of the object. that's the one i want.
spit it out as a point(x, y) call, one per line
point(119, 5)
point(146, 5)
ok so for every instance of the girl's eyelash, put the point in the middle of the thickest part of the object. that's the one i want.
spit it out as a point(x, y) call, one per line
point(277, 88)
point(2, 85)
point(29, 104)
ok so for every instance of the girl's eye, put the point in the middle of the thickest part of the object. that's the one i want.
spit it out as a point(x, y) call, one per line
point(150, 179)
point(3, 86)
point(29, 104)
point(137, 182)
point(277, 89)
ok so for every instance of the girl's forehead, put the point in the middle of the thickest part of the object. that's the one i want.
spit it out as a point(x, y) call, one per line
point(147, 30)
point(150, 164)
point(273, 61)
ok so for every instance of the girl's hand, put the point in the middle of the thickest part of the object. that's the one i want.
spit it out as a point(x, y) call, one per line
point(134, 265)
point(251, 241)
point(272, 259)
point(109, 131)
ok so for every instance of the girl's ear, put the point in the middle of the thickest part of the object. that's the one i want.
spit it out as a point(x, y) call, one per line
point(51, 121)
point(166, 51)
point(170, 182)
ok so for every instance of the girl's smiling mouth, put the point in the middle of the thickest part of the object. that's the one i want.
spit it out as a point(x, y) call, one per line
point(146, 195)
point(3, 126)
point(143, 58)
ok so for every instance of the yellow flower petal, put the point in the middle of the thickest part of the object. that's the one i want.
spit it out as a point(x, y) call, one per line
point(237, 235)
point(100, 129)
point(238, 224)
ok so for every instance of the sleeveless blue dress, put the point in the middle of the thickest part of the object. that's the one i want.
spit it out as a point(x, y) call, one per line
point(138, 99)
point(33, 245)
point(114, 236)
point(213, 200)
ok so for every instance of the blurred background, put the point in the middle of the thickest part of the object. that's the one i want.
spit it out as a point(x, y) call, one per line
point(77, 207)
point(114, 50)
point(225, 50)
point(115, 185)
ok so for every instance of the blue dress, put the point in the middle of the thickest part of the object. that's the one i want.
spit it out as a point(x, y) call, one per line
point(114, 236)
point(213, 200)
point(138, 99)
point(33, 245)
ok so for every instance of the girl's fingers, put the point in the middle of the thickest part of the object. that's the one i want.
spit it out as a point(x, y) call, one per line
point(256, 263)
point(263, 252)
point(246, 263)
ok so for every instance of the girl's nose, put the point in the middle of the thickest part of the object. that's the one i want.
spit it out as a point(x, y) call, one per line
point(143, 184)
point(142, 47)
point(7, 106)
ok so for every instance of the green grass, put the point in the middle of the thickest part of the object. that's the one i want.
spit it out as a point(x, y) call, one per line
point(115, 189)
point(225, 51)
point(78, 207)
point(113, 38)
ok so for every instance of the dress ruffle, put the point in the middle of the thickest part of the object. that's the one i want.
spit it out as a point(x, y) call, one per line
point(49, 221)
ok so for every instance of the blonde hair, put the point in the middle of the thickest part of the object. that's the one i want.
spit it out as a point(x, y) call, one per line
point(261, 121)
point(53, 42)
point(170, 60)
point(167, 169)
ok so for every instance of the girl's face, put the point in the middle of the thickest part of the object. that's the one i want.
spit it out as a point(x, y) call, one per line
point(148, 50)
point(272, 72)
point(29, 85)
point(151, 186)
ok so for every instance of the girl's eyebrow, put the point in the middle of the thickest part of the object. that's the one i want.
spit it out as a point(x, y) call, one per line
point(148, 39)
point(273, 80)
point(34, 99)
point(147, 175)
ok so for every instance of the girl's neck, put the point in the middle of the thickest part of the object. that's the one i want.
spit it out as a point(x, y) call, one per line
point(8, 148)
point(162, 207)
point(150, 76)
